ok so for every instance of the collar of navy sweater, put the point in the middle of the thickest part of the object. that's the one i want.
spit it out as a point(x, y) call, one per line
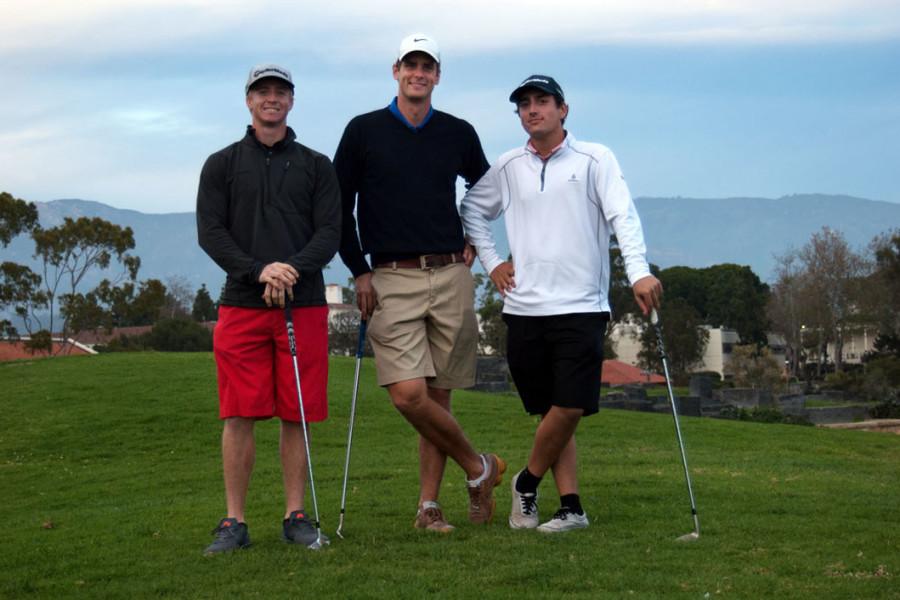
point(395, 110)
point(281, 144)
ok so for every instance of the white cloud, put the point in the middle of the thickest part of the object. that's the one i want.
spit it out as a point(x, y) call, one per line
point(153, 121)
point(62, 29)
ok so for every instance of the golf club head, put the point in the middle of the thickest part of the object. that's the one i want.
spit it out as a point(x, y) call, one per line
point(340, 526)
point(689, 537)
point(320, 543)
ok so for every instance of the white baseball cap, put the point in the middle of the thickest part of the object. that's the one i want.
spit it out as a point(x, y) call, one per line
point(419, 42)
point(268, 70)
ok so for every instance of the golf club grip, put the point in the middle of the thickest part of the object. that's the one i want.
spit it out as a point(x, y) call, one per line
point(287, 314)
point(360, 347)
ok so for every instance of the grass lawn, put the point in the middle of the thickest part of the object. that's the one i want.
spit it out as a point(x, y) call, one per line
point(110, 482)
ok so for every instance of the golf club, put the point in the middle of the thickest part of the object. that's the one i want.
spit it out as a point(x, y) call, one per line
point(292, 342)
point(654, 320)
point(359, 354)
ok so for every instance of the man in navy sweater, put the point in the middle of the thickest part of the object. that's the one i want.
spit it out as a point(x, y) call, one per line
point(398, 167)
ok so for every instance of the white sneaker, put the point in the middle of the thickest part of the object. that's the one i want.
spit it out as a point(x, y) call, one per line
point(564, 520)
point(524, 513)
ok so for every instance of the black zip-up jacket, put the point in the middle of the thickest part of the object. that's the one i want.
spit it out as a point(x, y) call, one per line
point(258, 205)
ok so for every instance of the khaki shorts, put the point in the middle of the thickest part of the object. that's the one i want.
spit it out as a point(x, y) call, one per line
point(424, 326)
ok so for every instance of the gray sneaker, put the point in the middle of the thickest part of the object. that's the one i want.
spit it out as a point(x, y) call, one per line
point(524, 513)
point(565, 519)
point(298, 530)
point(230, 535)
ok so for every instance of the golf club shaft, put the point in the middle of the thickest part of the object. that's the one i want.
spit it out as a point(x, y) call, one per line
point(359, 354)
point(292, 343)
point(684, 462)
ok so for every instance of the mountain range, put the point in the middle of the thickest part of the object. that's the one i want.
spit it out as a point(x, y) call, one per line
point(692, 232)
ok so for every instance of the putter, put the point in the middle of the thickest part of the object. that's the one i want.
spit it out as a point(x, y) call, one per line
point(694, 535)
point(359, 354)
point(292, 342)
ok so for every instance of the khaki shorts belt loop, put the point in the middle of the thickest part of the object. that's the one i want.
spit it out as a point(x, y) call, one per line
point(424, 262)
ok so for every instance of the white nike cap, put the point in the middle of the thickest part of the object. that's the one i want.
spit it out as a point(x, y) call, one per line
point(419, 42)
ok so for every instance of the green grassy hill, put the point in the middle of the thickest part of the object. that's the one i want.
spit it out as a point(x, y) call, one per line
point(110, 482)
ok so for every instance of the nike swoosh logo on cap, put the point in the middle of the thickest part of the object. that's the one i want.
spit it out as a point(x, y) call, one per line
point(420, 39)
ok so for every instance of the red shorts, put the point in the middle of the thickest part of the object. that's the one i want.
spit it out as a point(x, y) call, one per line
point(255, 369)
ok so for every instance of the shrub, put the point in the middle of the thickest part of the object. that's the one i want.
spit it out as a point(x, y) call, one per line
point(881, 380)
point(125, 343)
point(41, 342)
point(168, 335)
point(843, 381)
point(753, 367)
point(179, 335)
point(762, 415)
point(886, 410)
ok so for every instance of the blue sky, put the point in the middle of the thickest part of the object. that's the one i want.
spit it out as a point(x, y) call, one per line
point(122, 102)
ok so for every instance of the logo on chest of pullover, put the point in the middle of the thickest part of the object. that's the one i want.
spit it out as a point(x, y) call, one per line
point(573, 179)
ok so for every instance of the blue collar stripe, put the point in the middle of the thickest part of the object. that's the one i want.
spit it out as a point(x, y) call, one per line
point(395, 110)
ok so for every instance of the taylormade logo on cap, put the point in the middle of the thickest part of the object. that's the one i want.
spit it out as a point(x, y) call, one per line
point(268, 70)
point(527, 81)
point(419, 42)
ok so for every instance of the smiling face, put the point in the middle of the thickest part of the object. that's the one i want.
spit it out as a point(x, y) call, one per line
point(541, 114)
point(270, 100)
point(417, 74)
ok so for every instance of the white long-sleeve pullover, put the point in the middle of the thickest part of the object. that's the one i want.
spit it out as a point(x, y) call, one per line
point(559, 214)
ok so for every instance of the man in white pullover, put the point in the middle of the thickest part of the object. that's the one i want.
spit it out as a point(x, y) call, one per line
point(562, 200)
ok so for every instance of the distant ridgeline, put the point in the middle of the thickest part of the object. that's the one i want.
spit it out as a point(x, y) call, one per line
point(679, 231)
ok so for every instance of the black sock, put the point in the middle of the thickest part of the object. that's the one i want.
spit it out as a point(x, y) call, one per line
point(572, 502)
point(527, 483)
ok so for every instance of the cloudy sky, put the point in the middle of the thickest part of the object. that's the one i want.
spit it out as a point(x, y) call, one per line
point(121, 102)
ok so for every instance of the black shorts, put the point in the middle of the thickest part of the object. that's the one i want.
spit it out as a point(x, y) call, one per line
point(556, 360)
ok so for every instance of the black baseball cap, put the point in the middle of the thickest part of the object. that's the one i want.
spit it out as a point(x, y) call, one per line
point(545, 83)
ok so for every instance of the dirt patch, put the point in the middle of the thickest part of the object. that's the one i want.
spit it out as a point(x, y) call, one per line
point(882, 425)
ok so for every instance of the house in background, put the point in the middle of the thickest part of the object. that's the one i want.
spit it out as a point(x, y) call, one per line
point(334, 296)
point(617, 373)
point(856, 344)
point(16, 350)
point(625, 337)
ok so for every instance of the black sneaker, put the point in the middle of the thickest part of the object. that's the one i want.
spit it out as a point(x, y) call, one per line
point(298, 530)
point(230, 535)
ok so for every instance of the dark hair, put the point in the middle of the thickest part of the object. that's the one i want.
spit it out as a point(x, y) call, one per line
point(437, 64)
point(559, 102)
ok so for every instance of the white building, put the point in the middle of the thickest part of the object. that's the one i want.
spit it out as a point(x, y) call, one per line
point(626, 339)
point(334, 293)
point(856, 344)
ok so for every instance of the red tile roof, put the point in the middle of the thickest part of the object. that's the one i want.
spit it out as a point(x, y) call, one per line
point(16, 350)
point(616, 372)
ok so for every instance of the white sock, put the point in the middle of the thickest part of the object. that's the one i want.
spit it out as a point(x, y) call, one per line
point(477, 482)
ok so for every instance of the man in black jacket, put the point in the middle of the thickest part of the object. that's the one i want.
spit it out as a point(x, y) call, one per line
point(398, 168)
point(268, 213)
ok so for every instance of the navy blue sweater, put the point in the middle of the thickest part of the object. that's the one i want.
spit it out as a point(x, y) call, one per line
point(405, 183)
